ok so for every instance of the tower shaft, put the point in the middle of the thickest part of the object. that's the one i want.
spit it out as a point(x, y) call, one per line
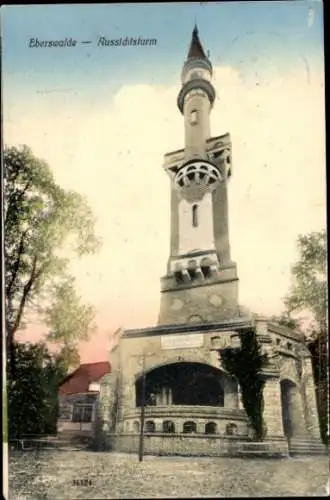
point(201, 282)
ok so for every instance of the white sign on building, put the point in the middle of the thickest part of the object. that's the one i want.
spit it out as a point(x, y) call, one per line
point(181, 341)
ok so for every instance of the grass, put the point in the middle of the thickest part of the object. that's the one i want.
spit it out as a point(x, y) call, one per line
point(50, 474)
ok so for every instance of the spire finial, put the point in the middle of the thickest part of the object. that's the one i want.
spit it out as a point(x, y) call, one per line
point(196, 49)
point(195, 30)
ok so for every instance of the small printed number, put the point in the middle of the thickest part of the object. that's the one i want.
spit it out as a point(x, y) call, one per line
point(82, 482)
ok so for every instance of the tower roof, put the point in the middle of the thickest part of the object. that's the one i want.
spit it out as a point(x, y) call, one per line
point(196, 49)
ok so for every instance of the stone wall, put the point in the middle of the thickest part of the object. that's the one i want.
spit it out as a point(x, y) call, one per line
point(192, 445)
point(199, 301)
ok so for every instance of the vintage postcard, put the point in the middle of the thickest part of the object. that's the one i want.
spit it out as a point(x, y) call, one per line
point(164, 272)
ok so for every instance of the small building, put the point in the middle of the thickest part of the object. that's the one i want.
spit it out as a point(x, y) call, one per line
point(78, 400)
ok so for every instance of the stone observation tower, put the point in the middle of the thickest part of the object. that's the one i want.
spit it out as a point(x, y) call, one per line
point(171, 373)
point(201, 280)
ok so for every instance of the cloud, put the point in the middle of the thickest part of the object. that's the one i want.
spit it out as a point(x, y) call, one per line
point(111, 149)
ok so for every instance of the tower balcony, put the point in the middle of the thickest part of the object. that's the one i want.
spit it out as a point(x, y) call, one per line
point(198, 83)
point(199, 266)
point(218, 151)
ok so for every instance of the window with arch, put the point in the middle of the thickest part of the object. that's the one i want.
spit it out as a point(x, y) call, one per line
point(168, 427)
point(136, 426)
point(210, 428)
point(195, 215)
point(189, 427)
point(150, 426)
point(193, 117)
point(231, 429)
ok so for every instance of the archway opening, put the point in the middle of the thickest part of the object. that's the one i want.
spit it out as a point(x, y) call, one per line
point(292, 414)
point(210, 428)
point(150, 426)
point(168, 427)
point(189, 427)
point(182, 384)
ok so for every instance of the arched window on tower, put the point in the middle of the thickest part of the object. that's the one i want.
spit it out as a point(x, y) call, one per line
point(195, 215)
point(193, 117)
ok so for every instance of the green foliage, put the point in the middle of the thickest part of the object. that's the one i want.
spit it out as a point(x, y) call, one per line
point(246, 364)
point(309, 288)
point(33, 391)
point(309, 293)
point(44, 224)
point(318, 346)
point(287, 321)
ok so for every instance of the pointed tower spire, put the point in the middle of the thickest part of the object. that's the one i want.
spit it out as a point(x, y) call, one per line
point(196, 49)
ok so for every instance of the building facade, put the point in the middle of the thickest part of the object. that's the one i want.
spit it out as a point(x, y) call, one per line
point(172, 373)
point(78, 401)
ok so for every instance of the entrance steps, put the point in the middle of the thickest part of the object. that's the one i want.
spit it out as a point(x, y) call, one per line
point(306, 446)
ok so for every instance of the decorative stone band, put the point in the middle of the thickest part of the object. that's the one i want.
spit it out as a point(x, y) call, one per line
point(225, 340)
point(195, 264)
point(193, 84)
point(269, 372)
point(194, 63)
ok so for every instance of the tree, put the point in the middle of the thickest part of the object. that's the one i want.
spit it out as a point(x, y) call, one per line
point(32, 395)
point(309, 294)
point(286, 320)
point(246, 364)
point(44, 225)
point(309, 288)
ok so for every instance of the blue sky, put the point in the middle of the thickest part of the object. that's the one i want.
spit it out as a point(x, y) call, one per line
point(234, 32)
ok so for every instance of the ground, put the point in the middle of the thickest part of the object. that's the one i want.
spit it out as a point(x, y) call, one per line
point(50, 475)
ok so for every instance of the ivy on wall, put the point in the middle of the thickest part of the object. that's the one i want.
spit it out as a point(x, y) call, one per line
point(246, 364)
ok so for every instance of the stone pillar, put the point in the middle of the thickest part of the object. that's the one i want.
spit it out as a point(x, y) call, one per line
point(239, 398)
point(158, 426)
point(296, 412)
point(312, 417)
point(163, 396)
point(230, 394)
point(158, 399)
point(272, 413)
point(131, 395)
point(200, 427)
point(170, 400)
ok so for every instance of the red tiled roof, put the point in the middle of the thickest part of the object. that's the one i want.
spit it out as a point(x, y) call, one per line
point(80, 379)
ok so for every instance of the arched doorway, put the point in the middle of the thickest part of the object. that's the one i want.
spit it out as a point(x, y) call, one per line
point(292, 409)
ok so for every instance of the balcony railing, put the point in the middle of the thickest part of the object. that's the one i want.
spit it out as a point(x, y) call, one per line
point(187, 410)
